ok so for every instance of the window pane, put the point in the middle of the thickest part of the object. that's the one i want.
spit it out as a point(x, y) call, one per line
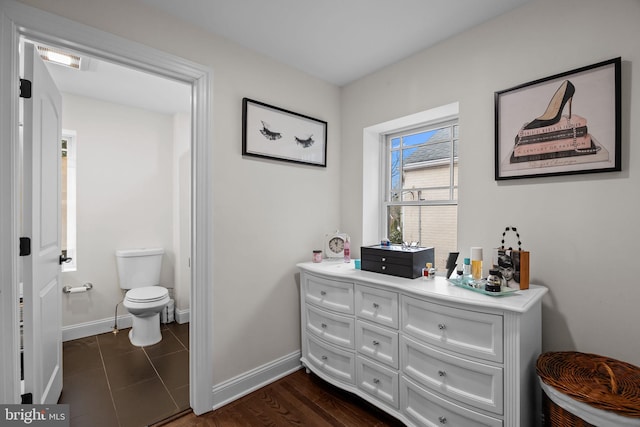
point(418, 138)
point(396, 181)
point(395, 143)
point(407, 154)
point(430, 225)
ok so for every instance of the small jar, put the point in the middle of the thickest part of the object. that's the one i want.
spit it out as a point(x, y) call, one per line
point(494, 281)
point(317, 255)
point(426, 271)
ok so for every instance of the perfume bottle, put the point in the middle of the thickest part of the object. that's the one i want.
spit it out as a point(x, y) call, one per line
point(476, 263)
point(427, 271)
point(466, 269)
point(347, 250)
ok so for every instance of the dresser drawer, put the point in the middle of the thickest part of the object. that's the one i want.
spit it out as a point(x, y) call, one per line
point(467, 332)
point(377, 305)
point(428, 409)
point(377, 343)
point(330, 294)
point(337, 363)
point(330, 327)
point(387, 268)
point(470, 382)
point(378, 381)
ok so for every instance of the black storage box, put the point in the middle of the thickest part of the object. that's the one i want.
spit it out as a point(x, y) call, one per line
point(396, 260)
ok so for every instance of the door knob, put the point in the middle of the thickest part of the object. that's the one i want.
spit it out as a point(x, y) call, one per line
point(63, 259)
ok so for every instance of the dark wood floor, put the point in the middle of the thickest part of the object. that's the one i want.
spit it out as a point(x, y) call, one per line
point(299, 399)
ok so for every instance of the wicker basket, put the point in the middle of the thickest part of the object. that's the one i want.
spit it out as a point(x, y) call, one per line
point(598, 381)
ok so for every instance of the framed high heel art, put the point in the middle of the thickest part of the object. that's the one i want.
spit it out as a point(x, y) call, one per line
point(568, 123)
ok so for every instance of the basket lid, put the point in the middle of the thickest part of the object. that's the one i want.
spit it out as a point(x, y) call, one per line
point(601, 382)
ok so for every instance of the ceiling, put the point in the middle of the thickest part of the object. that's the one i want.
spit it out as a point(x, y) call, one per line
point(114, 83)
point(338, 41)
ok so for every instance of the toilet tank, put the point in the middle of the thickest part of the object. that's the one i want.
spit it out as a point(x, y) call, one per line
point(139, 267)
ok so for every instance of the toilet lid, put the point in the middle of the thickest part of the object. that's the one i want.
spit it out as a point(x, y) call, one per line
point(147, 294)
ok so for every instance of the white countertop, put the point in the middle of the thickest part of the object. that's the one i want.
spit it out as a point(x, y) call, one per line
point(439, 287)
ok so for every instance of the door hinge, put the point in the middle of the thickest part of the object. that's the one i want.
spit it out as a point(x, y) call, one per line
point(25, 246)
point(25, 88)
point(27, 399)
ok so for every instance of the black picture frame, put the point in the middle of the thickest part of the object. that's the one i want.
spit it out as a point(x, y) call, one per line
point(274, 133)
point(565, 124)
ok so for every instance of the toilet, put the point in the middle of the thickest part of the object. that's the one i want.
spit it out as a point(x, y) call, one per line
point(139, 274)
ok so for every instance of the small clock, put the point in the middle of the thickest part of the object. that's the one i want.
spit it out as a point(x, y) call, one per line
point(335, 245)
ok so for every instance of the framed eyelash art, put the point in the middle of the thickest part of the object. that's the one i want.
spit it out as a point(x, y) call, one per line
point(274, 133)
point(564, 124)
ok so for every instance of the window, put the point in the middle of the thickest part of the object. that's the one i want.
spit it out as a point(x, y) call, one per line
point(421, 187)
point(68, 199)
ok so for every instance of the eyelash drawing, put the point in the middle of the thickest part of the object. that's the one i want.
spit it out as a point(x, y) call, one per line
point(270, 135)
point(306, 143)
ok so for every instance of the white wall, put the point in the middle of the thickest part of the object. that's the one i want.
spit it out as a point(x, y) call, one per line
point(124, 181)
point(268, 215)
point(182, 208)
point(581, 230)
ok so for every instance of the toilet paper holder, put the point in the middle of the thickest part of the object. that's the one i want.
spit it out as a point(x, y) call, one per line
point(72, 290)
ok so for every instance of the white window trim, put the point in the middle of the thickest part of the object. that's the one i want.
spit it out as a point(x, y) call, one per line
point(373, 185)
point(72, 248)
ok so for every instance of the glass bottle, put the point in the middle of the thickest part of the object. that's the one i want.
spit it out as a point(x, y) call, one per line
point(466, 269)
point(495, 281)
point(347, 250)
point(476, 263)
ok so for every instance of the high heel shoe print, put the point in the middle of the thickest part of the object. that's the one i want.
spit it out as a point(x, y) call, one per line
point(555, 108)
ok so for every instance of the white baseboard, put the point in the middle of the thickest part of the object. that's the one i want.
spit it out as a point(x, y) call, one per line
point(235, 388)
point(87, 329)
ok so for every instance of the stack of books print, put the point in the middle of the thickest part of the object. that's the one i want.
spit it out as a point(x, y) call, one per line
point(567, 138)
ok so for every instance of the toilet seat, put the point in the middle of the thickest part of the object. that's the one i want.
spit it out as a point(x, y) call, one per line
point(146, 294)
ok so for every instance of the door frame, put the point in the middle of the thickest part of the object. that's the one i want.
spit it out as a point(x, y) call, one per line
point(18, 20)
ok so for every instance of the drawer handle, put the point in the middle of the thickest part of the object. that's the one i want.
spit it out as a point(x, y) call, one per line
point(384, 259)
point(323, 293)
point(442, 420)
point(324, 357)
point(376, 305)
point(384, 267)
point(324, 325)
point(376, 381)
point(442, 373)
point(442, 326)
point(376, 342)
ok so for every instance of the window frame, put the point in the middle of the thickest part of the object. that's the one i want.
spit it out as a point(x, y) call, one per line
point(386, 156)
point(70, 137)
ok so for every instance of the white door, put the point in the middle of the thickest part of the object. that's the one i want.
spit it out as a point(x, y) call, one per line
point(42, 223)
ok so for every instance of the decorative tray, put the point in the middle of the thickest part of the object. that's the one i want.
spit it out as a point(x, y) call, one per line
point(504, 290)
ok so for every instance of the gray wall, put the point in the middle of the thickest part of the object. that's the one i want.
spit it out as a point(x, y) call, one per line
point(124, 199)
point(582, 231)
point(268, 216)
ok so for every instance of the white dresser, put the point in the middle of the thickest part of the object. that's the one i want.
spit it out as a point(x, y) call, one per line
point(425, 351)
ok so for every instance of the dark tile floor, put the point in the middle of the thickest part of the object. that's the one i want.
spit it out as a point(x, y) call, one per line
point(108, 382)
